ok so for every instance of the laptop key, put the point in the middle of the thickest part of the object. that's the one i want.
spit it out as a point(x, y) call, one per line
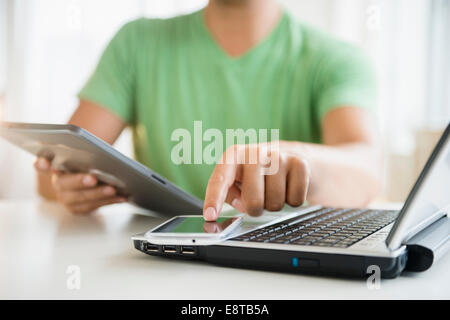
point(328, 241)
point(322, 244)
point(312, 239)
point(302, 242)
point(294, 239)
point(279, 241)
point(337, 238)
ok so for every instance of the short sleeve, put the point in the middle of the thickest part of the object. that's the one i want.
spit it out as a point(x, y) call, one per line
point(345, 78)
point(112, 84)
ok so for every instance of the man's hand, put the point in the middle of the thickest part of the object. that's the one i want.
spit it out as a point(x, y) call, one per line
point(81, 193)
point(243, 183)
point(344, 171)
point(78, 192)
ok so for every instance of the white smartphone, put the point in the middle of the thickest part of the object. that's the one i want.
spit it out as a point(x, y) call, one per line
point(193, 230)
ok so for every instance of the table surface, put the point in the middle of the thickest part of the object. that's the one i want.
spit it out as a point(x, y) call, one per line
point(40, 240)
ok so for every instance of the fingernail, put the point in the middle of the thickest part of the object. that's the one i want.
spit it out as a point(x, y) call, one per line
point(89, 181)
point(109, 191)
point(42, 164)
point(237, 204)
point(210, 214)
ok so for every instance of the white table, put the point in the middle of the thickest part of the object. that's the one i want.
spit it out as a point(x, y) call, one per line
point(39, 240)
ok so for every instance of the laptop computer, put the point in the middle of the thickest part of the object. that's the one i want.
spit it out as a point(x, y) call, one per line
point(341, 241)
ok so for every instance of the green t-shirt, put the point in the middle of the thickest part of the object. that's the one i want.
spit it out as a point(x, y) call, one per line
point(160, 75)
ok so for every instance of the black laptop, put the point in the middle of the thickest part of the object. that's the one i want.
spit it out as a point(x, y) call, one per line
point(342, 241)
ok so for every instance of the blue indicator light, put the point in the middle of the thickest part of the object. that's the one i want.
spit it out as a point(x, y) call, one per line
point(295, 262)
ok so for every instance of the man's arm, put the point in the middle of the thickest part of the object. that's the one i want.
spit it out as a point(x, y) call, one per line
point(98, 120)
point(80, 192)
point(345, 171)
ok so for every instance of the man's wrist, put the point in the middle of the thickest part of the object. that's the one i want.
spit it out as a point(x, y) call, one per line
point(304, 152)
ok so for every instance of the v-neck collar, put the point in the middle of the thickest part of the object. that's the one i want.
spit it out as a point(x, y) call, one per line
point(225, 56)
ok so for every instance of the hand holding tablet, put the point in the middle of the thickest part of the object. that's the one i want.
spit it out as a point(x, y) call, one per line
point(78, 192)
point(80, 161)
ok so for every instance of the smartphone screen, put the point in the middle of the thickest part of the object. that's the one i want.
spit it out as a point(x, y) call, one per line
point(195, 225)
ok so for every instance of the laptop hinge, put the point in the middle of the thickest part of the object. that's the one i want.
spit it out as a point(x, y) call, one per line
point(427, 246)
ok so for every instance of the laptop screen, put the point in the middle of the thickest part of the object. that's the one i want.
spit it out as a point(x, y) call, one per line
point(429, 198)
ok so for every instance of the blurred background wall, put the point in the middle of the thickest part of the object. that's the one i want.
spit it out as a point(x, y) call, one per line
point(48, 48)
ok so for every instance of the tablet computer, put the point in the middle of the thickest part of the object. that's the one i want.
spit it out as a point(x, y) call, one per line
point(73, 149)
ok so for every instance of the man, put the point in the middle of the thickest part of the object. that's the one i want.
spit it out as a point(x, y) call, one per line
point(235, 64)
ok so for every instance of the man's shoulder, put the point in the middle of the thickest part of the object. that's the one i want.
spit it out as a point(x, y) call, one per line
point(322, 52)
point(311, 40)
point(155, 26)
point(323, 45)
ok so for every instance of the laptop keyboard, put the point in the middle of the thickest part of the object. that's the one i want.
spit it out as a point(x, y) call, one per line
point(326, 227)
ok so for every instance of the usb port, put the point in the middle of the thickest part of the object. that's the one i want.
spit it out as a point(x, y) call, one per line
point(187, 250)
point(169, 249)
point(151, 248)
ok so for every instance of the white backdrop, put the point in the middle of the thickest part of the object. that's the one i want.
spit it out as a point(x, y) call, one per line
point(49, 47)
